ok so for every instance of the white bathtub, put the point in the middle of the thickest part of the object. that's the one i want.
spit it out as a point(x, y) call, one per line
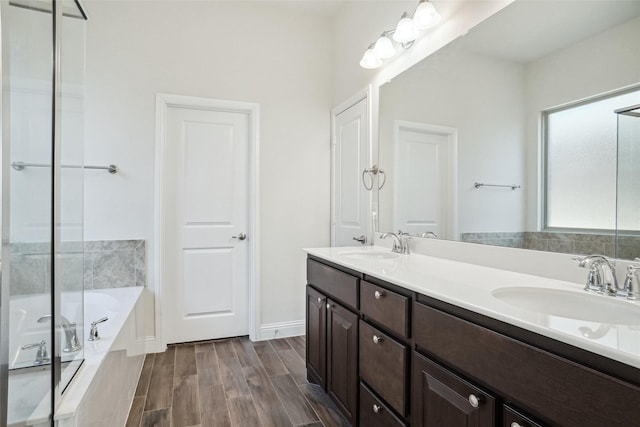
point(29, 393)
point(25, 329)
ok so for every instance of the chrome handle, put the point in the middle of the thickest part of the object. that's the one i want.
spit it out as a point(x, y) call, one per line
point(378, 294)
point(474, 400)
point(362, 239)
point(102, 320)
point(377, 339)
point(376, 408)
point(34, 345)
point(329, 306)
point(515, 424)
point(93, 333)
point(240, 236)
point(319, 300)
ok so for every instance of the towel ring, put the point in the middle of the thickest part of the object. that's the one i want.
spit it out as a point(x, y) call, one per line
point(374, 170)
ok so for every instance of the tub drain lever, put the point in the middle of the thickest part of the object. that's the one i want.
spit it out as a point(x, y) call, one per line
point(93, 333)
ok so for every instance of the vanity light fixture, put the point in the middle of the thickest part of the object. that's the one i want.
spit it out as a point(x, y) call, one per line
point(405, 33)
point(370, 60)
point(426, 16)
point(384, 48)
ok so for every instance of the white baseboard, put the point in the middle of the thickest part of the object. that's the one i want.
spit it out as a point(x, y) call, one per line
point(149, 344)
point(270, 331)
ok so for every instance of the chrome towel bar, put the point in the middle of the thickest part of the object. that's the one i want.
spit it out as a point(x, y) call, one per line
point(21, 165)
point(481, 184)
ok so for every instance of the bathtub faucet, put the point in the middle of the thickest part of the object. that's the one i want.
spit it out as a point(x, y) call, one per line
point(69, 332)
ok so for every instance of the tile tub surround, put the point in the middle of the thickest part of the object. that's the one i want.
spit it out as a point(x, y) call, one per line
point(471, 287)
point(573, 243)
point(103, 264)
point(115, 264)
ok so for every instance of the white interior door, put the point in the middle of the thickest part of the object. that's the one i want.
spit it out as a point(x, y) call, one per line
point(350, 200)
point(205, 251)
point(424, 171)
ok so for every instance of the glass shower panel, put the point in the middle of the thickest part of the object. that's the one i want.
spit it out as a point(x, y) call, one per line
point(69, 198)
point(27, 202)
point(628, 198)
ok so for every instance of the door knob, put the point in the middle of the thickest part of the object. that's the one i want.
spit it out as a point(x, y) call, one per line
point(240, 236)
point(362, 239)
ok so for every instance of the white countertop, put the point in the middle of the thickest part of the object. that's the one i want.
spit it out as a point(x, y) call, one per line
point(470, 286)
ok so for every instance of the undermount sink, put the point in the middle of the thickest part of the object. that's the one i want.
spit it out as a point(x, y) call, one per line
point(372, 255)
point(572, 305)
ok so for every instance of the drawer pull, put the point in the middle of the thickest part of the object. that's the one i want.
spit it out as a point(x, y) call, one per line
point(377, 339)
point(378, 294)
point(515, 424)
point(474, 400)
point(376, 409)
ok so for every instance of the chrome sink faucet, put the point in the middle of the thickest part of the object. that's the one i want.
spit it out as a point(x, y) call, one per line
point(400, 242)
point(602, 274)
point(631, 287)
point(70, 333)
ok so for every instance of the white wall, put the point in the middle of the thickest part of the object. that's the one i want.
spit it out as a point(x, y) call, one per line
point(457, 88)
point(246, 51)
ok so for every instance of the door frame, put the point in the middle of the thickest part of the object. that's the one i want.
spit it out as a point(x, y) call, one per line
point(364, 94)
point(452, 168)
point(163, 102)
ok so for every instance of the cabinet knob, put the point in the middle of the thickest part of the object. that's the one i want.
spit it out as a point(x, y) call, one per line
point(319, 300)
point(474, 400)
point(328, 306)
point(376, 408)
point(377, 339)
point(515, 424)
point(378, 294)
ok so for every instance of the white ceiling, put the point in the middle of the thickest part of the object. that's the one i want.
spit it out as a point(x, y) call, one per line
point(530, 29)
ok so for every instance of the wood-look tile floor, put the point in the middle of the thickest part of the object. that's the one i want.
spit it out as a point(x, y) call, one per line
point(233, 383)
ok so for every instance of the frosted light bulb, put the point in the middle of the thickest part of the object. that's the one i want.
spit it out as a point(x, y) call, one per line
point(384, 48)
point(405, 30)
point(426, 16)
point(370, 60)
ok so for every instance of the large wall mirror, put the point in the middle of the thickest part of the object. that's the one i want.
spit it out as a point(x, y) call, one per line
point(509, 135)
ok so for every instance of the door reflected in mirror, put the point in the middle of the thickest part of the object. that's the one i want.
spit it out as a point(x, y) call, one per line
point(504, 107)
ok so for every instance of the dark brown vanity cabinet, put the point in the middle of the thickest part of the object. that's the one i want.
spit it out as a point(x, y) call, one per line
point(342, 359)
point(390, 357)
point(513, 418)
point(441, 398)
point(558, 391)
point(316, 326)
point(332, 335)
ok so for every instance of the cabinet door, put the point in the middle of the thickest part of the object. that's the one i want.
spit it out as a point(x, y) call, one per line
point(441, 398)
point(316, 337)
point(342, 359)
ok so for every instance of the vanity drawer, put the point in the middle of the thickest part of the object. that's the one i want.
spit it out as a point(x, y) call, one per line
point(513, 418)
point(340, 285)
point(384, 366)
point(557, 389)
point(386, 307)
point(374, 413)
